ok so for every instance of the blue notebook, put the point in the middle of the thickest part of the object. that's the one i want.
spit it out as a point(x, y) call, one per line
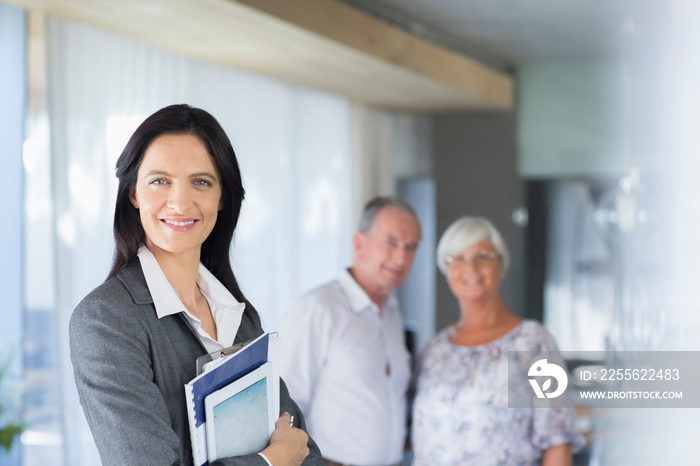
point(229, 369)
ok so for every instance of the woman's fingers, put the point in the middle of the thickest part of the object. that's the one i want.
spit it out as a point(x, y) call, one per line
point(288, 445)
point(285, 418)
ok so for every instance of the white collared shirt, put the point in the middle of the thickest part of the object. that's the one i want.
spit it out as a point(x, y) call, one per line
point(346, 365)
point(225, 310)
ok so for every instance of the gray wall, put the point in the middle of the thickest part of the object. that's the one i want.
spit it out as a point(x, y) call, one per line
point(475, 174)
point(571, 119)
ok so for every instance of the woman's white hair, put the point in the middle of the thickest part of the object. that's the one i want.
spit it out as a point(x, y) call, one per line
point(465, 233)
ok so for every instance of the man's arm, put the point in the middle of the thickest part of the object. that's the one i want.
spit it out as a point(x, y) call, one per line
point(305, 337)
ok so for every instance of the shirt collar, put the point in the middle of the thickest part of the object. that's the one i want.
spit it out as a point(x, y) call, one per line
point(164, 297)
point(358, 297)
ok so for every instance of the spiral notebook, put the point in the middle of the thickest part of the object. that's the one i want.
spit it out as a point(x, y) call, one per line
point(221, 373)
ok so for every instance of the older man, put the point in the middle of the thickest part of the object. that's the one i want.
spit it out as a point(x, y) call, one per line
point(344, 359)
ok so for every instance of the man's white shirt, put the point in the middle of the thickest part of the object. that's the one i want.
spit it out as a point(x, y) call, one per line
point(346, 366)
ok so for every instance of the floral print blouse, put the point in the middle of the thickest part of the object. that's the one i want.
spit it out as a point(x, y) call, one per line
point(460, 410)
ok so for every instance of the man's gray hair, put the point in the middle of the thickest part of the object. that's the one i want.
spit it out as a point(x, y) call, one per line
point(374, 206)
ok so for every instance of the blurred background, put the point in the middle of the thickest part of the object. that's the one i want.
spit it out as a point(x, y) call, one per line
point(569, 124)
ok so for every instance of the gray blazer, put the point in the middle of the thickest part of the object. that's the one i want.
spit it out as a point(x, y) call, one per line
point(130, 369)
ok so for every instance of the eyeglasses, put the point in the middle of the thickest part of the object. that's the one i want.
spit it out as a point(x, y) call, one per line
point(477, 259)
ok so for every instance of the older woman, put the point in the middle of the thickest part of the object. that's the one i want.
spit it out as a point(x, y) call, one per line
point(171, 296)
point(460, 413)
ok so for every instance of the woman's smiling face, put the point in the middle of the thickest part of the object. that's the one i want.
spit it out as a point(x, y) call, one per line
point(178, 194)
point(477, 274)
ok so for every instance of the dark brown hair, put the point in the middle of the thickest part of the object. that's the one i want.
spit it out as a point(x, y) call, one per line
point(128, 231)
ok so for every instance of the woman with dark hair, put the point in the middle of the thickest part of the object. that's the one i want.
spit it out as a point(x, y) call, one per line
point(170, 297)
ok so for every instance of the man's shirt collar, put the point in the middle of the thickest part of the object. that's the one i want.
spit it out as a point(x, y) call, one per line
point(358, 297)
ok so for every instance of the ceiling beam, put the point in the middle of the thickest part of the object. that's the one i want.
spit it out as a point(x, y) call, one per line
point(323, 44)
